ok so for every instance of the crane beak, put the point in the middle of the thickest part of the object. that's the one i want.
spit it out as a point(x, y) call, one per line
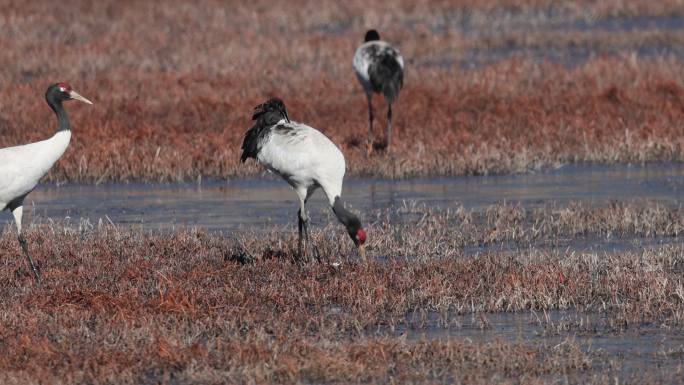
point(362, 252)
point(75, 95)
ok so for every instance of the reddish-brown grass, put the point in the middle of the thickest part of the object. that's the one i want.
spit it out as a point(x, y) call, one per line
point(120, 306)
point(174, 85)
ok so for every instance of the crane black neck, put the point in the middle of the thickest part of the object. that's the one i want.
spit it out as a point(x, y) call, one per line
point(349, 220)
point(62, 117)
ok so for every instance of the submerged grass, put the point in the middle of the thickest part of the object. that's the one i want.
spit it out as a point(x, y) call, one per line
point(174, 85)
point(124, 306)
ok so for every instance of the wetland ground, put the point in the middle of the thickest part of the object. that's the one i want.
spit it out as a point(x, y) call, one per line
point(586, 289)
point(527, 227)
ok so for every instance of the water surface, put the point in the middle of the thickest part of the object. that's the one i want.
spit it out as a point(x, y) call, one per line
point(632, 346)
point(251, 204)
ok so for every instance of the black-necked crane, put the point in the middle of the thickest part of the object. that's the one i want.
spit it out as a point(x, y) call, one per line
point(380, 69)
point(21, 167)
point(304, 158)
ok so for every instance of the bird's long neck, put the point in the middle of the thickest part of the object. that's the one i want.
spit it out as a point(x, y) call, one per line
point(62, 116)
point(349, 220)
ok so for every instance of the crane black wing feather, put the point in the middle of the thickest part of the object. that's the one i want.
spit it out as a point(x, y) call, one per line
point(266, 116)
point(249, 144)
point(386, 75)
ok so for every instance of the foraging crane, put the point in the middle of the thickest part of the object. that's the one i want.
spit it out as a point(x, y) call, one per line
point(21, 167)
point(379, 68)
point(306, 159)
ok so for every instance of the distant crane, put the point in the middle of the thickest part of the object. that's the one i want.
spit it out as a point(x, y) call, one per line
point(379, 68)
point(21, 167)
point(306, 159)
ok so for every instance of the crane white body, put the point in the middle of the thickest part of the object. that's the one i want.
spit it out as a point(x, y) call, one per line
point(368, 53)
point(305, 158)
point(22, 167)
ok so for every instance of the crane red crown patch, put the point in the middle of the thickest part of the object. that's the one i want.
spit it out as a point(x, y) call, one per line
point(361, 234)
point(65, 86)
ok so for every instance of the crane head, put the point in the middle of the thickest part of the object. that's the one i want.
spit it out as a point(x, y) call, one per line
point(371, 35)
point(358, 236)
point(270, 107)
point(361, 242)
point(63, 91)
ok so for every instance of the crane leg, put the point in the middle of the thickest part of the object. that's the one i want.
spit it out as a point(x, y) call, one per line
point(304, 193)
point(370, 123)
point(389, 125)
point(301, 242)
point(17, 212)
point(304, 225)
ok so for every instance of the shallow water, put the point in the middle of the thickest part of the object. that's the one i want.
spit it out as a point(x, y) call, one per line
point(633, 346)
point(256, 203)
point(582, 245)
